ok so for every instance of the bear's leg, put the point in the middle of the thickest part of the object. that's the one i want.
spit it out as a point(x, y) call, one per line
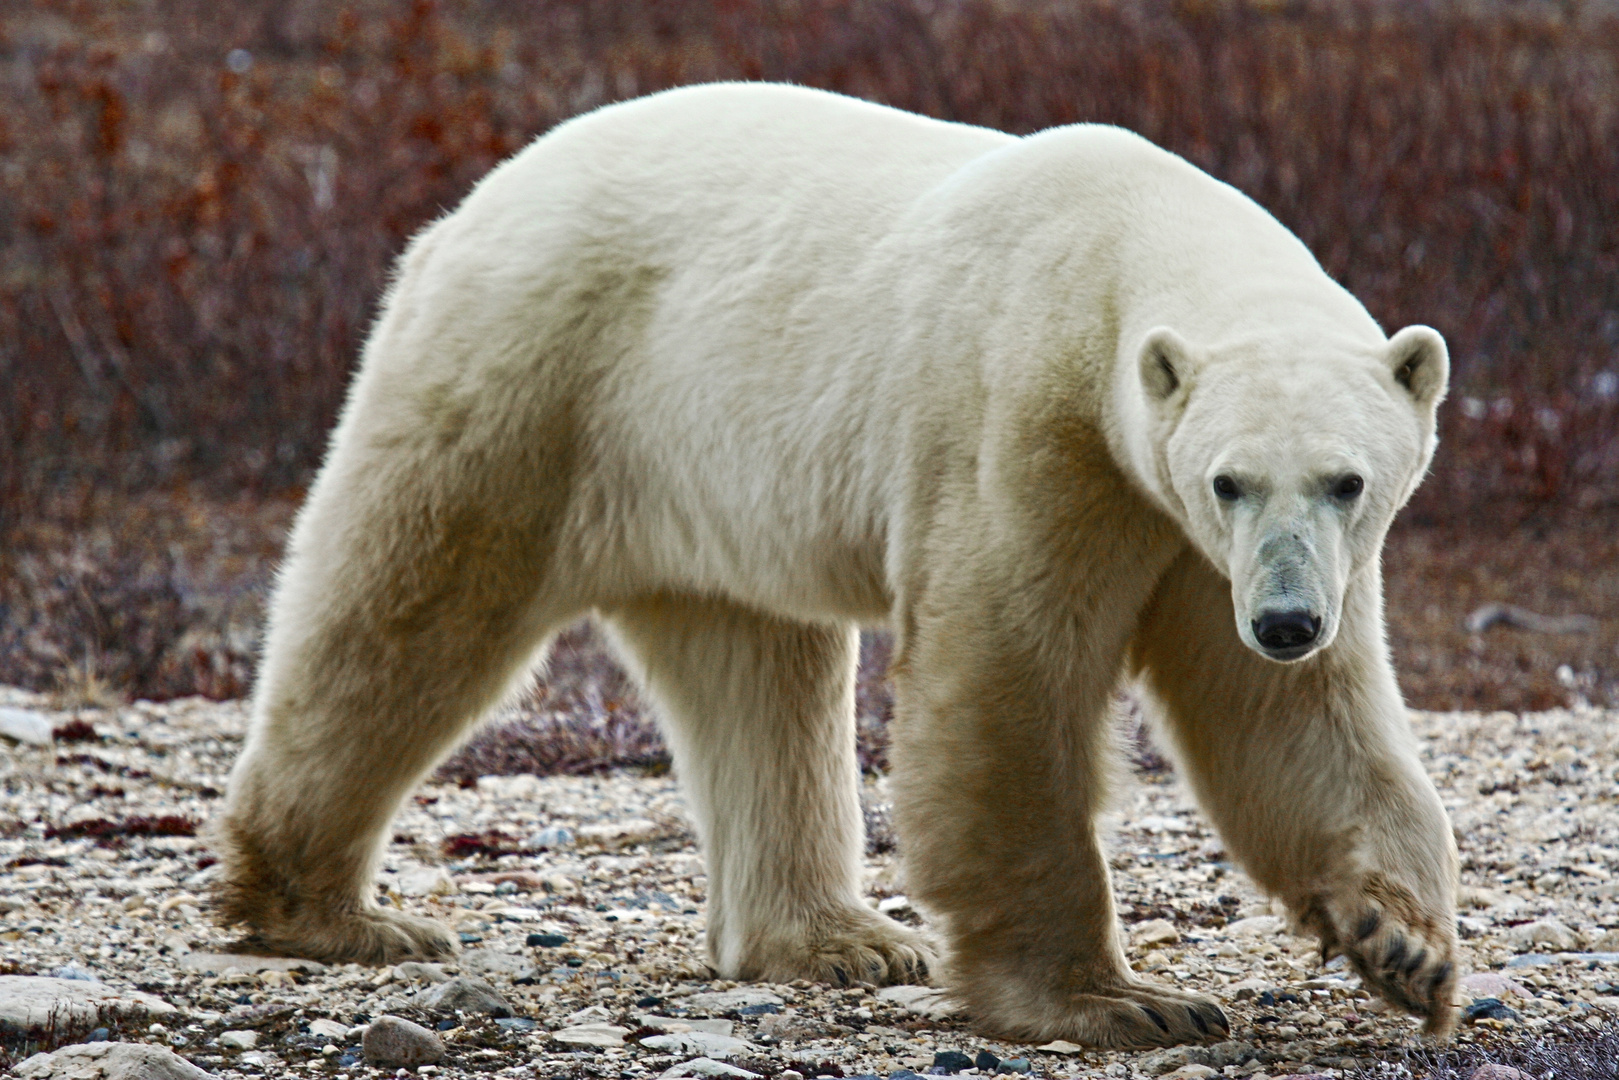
point(1002, 751)
point(408, 605)
point(760, 716)
point(1312, 776)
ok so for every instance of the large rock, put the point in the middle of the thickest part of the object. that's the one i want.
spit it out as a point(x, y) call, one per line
point(28, 1002)
point(399, 1044)
point(109, 1061)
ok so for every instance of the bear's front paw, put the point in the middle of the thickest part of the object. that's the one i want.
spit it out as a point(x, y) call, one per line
point(371, 935)
point(1401, 952)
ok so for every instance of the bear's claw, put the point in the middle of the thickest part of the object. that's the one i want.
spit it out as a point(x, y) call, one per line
point(1399, 953)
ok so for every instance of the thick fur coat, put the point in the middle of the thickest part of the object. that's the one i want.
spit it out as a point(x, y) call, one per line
point(739, 368)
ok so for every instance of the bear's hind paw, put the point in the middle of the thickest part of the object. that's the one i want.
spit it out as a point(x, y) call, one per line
point(1137, 1016)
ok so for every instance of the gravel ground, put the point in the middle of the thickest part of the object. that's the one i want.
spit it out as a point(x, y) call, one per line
point(580, 905)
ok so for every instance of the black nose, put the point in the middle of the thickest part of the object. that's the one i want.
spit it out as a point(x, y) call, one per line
point(1286, 629)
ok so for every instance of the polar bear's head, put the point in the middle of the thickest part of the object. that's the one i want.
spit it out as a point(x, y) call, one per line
point(1286, 465)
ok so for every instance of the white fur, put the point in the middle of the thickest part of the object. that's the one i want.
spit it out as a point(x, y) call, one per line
point(739, 367)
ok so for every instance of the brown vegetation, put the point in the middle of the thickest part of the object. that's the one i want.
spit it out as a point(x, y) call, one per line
point(199, 202)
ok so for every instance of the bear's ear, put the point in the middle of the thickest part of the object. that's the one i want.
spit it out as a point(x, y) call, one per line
point(1165, 362)
point(1420, 363)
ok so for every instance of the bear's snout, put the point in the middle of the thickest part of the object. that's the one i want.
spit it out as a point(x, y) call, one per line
point(1286, 635)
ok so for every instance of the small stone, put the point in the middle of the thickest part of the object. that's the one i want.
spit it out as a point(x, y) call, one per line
point(985, 1062)
point(552, 836)
point(546, 941)
point(1193, 1071)
point(594, 1034)
point(1492, 1071)
point(952, 1061)
point(1606, 942)
point(238, 1040)
point(26, 726)
point(1542, 931)
point(467, 995)
point(1488, 1009)
point(1490, 984)
point(328, 1029)
point(517, 1023)
point(394, 1043)
point(109, 1061)
point(1155, 932)
point(1061, 1046)
point(1019, 1066)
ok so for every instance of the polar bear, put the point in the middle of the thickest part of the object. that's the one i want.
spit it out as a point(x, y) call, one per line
point(740, 368)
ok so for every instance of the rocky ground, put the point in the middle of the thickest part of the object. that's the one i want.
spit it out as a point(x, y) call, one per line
point(579, 901)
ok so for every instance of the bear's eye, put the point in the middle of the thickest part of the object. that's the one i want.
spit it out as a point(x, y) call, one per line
point(1348, 487)
point(1226, 488)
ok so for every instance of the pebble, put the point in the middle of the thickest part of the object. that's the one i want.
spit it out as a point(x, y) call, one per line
point(952, 1061)
point(109, 1061)
point(395, 1043)
point(546, 941)
point(29, 1002)
point(1155, 932)
point(417, 971)
point(239, 1040)
point(468, 995)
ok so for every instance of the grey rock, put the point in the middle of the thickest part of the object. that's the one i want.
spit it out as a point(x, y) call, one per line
point(469, 995)
point(333, 1030)
point(26, 726)
point(239, 1040)
point(28, 1002)
point(109, 1061)
point(399, 1044)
